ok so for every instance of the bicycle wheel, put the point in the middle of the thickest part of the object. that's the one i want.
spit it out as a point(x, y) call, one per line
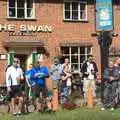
point(30, 106)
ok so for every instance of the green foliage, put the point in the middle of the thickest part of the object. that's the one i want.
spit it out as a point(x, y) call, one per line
point(75, 95)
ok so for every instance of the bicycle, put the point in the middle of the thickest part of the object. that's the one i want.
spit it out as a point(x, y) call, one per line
point(4, 101)
point(45, 97)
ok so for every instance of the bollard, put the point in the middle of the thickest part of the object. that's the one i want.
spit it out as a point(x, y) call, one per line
point(55, 99)
point(90, 98)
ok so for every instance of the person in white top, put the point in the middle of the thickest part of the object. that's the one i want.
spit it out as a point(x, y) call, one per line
point(89, 70)
point(14, 75)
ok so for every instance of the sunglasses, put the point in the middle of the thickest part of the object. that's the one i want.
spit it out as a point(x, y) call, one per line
point(15, 61)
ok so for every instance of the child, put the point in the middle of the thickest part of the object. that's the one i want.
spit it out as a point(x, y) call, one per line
point(29, 83)
point(64, 89)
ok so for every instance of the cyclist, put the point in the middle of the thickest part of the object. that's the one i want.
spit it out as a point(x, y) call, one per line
point(14, 75)
point(39, 74)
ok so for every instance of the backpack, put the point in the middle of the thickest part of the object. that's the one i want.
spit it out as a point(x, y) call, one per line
point(7, 67)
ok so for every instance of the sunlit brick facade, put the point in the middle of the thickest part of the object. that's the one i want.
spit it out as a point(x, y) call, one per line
point(49, 27)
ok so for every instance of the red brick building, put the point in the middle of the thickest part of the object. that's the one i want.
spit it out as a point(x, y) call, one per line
point(32, 28)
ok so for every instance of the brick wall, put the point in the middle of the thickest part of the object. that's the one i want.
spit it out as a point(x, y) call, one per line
point(51, 13)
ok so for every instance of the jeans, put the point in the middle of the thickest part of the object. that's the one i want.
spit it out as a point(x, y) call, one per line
point(109, 94)
point(86, 84)
point(64, 95)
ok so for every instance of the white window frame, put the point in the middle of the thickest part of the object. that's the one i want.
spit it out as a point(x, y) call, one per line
point(78, 54)
point(79, 2)
point(25, 11)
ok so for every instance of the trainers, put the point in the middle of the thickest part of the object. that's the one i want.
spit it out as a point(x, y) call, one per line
point(14, 113)
point(112, 108)
point(102, 108)
point(19, 113)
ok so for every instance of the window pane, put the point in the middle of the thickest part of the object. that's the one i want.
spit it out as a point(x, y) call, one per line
point(65, 50)
point(82, 6)
point(82, 50)
point(89, 50)
point(11, 3)
point(29, 3)
point(20, 13)
point(75, 6)
point(82, 11)
point(74, 14)
point(74, 59)
point(74, 67)
point(82, 58)
point(82, 15)
point(67, 14)
point(74, 50)
point(67, 6)
point(20, 3)
point(29, 13)
point(12, 12)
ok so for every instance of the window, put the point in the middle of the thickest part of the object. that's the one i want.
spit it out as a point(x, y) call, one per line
point(21, 9)
point(77, 55)
point(75, 10)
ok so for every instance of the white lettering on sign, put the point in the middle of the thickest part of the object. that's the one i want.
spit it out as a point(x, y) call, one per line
point(3, 27)
point(105, 23)
point(31, 28)
point(11, 28)
point(48, 28)
point(26, 28)
point(40, 29)
point(23, 28)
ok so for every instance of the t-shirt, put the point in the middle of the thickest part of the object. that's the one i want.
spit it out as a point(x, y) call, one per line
point(11, 74)
point(40, 80)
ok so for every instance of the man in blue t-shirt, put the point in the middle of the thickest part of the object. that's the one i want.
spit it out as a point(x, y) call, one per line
point(39, 75)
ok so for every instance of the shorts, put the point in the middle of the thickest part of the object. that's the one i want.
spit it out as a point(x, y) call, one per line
point(37, 90)
point(15, 91)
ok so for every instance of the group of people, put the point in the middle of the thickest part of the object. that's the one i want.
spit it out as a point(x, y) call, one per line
point(35, 78)
point(61, 76)
point(110, 82)
point(111, 85)
point(62, 79)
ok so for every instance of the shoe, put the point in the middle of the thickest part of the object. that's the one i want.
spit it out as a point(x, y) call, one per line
point(19, 113)
point(14, 114)
point(102, 109)
point(112, 109)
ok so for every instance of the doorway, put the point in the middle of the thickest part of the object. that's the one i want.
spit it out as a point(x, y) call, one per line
point(23, 60)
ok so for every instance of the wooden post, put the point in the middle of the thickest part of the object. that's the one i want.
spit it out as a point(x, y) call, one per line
point(90, 98)
point(55, 99)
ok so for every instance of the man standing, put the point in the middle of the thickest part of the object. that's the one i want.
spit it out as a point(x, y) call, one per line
point(55, 72)
point(39, 74)
point(13, 77)
point(89, 70)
